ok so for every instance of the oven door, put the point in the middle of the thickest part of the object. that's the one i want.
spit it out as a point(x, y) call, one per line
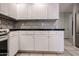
point(3, 46)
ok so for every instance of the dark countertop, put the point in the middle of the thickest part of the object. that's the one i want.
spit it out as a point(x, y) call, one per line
point(37, 29)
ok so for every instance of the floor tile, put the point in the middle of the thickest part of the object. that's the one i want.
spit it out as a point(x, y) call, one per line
point(24, 54)
point(74, 53)
point(50, 54)
point(36, 54)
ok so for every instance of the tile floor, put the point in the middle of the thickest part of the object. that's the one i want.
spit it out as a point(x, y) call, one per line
point(69, 51)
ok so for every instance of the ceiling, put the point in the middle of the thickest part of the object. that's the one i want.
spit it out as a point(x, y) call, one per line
point(65, 7)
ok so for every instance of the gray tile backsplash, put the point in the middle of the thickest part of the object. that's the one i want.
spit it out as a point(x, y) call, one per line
point(6, 22)
point(36, 24)
point(27, 24)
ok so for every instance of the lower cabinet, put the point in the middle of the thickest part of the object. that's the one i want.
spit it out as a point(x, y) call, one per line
point(53, 41)
point(13, 43)
point(56, 41)
point(41, 42)
point(53, 45)
point(60, 40)
point(36, 41)
point(26, 42)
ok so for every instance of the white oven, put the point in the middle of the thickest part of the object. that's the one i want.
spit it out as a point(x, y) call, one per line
point(3, 42)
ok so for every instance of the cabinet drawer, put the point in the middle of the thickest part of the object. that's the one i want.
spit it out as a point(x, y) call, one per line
point(26, 32)
point(52, 37)
point(52, 32)
point(41, 32)
point(13, 33)
point(26, 37)
point(41, 37)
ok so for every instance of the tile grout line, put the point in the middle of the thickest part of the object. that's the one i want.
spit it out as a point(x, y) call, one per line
point(69, 52)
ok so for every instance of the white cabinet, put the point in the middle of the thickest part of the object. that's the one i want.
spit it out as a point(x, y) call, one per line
point(53, 45)
point(22, 10)
point(4, 9)
point(56, 41)
point(39, 12)
point(29, 13)
point(26, 40)
point(35, 41)
point(53, 11)
point(32, 11)
point(12, 12)
point(13, 46)
point(60, 41)
point(8, 9)
point(41, 42)
point(41, 33)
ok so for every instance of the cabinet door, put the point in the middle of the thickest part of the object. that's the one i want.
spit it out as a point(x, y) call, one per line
point(53, 45)
point(41, 42)
point(12, 10)
point(4, 9)
point(26, 32)
point(22, 10)
point(37, 12)
point(26, 42)
point(53, 11)
point(60, 38)
point(13, 43)
point(56, 41)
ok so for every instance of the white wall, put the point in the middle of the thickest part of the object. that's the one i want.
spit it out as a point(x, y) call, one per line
point(77, 22)
point(60, 23)
point(66, 23)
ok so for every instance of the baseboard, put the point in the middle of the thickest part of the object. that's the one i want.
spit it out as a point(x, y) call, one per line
point(48, 52)
point(16, 53)
point(66, 38)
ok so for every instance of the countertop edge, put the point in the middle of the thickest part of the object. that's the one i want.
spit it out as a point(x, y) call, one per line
point(37, 29)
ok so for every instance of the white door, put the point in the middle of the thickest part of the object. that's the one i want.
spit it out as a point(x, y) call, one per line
point(41, 42)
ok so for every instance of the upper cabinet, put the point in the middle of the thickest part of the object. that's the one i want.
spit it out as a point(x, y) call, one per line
point(12, 10)
point(8, 9)
point(22, 11)
point(4, 9)
point(53, 11)
point(38, 11)
point(30, 10)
